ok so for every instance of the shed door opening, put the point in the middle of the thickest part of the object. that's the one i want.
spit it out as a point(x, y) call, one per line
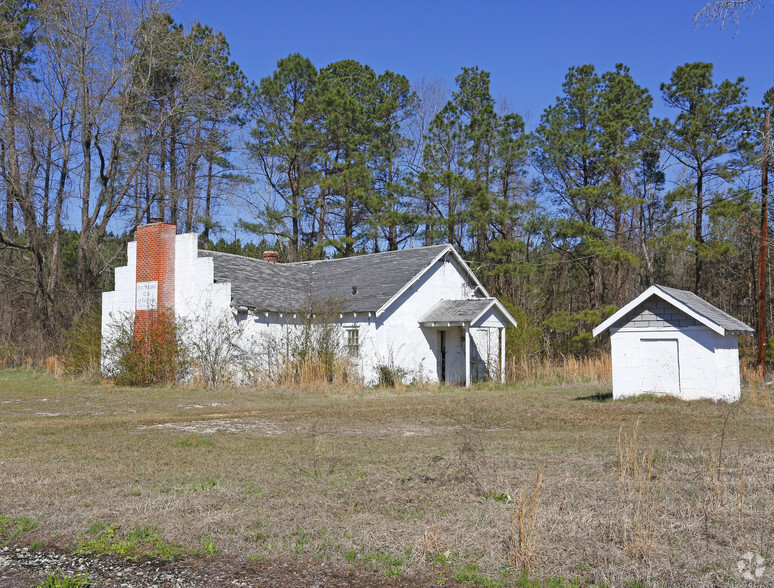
point(660, 366)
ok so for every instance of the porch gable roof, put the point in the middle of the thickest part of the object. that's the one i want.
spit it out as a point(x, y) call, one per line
point(465, 312)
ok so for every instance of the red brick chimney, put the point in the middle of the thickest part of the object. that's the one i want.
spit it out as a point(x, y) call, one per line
point(155, 273)
point(271, 256)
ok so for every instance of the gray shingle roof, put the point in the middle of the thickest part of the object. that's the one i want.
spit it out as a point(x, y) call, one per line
point(293, 287)
point(456, 311)
point(707, 310)
point(699, 309)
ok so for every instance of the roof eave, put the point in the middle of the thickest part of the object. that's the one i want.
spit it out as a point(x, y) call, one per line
point(416, 278)
point(719, 329)
point(710, 324)
point(500, 308)
point(609, 321)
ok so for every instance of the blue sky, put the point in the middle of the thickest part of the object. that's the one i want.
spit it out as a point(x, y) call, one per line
point(526, 46)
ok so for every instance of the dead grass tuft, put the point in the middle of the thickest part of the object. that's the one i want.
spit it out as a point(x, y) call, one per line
point(639, 492)
point(429, 543)
point(54, 366)
point(522, 550)
point(311, 375)
point(750, 373)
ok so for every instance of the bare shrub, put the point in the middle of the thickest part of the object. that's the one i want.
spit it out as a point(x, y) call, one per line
point(309, 349)
point(390, 372)
point(83, 346)
point(145, 355)
point(217, 349)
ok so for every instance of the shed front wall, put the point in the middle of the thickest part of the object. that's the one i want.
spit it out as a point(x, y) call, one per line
point(708, 363)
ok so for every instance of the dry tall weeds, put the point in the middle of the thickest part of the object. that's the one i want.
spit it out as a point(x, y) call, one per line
point(639, 491)
point(563, 369)
point(522, 551)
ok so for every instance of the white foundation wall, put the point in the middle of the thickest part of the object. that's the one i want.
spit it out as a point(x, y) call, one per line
point(708, 362)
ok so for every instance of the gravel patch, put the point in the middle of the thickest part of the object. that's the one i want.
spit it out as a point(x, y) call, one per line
point(23, 567)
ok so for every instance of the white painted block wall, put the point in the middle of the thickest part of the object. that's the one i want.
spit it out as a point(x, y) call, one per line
point(395, 337)
point(708, 362)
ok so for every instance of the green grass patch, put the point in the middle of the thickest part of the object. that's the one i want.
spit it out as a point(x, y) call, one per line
point(471, 574)
point(497, 496)
point(206, 485)
point(195, 442)
point(12, 528)
point(140, 541)
point(59, 579)
point(208, 545)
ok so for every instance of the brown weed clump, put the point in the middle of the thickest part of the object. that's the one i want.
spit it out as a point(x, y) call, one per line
point(639, 491)
point(522, 550)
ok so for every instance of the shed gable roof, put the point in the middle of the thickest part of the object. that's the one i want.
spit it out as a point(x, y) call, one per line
point(290, 287)
point(688, 302)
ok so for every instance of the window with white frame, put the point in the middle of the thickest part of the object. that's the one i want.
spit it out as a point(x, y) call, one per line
point(353, 342)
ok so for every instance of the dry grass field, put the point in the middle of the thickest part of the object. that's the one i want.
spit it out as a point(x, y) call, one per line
point(471, 485)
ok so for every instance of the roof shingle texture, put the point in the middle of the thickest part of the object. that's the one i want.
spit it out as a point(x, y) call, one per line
point(456, 311)
point(707, 310)
point(321, 285)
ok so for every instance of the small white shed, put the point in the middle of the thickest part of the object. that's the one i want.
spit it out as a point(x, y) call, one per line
point(669, 341)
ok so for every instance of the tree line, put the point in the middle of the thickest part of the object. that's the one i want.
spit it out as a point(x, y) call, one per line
point(112, 115)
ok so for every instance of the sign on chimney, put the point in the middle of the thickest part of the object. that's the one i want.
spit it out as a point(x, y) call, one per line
point(147, 295)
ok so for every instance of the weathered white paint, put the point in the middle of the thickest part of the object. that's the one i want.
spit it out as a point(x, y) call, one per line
point(502, 355)
point(707, 364)
point(660, 366)
point(390, 337)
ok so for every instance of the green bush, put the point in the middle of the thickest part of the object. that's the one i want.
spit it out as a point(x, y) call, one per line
point(569, 333)
point(527, 339)
point(389, 375)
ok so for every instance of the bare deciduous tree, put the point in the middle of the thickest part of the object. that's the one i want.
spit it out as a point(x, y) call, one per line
point(723, 11)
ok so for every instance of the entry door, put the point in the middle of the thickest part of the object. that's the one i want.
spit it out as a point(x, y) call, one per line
point(660, 366)
point(442, 347)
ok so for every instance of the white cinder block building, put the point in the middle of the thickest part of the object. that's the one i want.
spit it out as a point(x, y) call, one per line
point(420, 310)
point(669, 341)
